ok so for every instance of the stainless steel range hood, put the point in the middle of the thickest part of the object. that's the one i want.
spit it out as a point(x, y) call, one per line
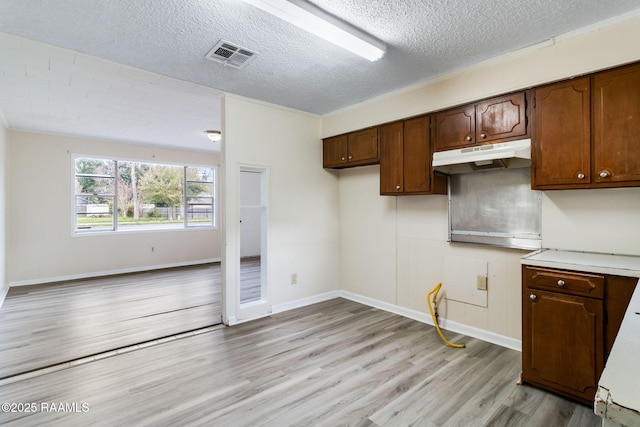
point(512, 154)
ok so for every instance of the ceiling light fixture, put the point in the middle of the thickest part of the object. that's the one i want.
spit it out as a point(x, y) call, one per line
point(213, 135)
point(315, 20)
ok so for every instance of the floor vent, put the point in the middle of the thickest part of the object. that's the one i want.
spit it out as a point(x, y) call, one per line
point(230, 54)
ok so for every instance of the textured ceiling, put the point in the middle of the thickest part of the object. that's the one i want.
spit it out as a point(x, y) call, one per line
point(57, 91)
point(170, 38)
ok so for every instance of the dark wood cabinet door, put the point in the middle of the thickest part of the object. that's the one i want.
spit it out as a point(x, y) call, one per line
point(454, 128)
point(363, 147)
point(502, 118)
point(561, 137)
point(405, 159)
point(391, 161)
point(563, 342)
point(417, 156)
point(334, 151)
point(616, 127)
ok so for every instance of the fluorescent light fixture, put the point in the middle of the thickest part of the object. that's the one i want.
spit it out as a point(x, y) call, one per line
point(213, 135)
point(315, 20)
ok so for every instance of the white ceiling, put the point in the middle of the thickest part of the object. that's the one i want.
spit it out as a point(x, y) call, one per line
point(52, 90)
point(134, 70)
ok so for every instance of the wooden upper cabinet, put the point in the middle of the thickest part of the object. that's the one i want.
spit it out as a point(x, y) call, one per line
point(586, 131)
point(334, 151)
point(494, 120)
point(352, 149)
point(405, 159)
point(454, 128)
point(417, 156)
point(391, 158)
point(501, 118)
point(561, 137)
point(616, 125)
point(363, 147)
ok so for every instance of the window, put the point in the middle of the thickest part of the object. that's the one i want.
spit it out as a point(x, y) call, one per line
point(198, 195)
point(114, 195)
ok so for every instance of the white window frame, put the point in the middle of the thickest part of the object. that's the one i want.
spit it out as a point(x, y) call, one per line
point(184, 226)
point(213, 197)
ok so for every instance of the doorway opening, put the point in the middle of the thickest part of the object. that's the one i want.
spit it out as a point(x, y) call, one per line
point(254, 211)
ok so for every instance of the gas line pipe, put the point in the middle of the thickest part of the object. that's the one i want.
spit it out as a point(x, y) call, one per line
point(434, 314)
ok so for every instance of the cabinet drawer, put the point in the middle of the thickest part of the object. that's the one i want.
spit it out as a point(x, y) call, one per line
point(568, 282)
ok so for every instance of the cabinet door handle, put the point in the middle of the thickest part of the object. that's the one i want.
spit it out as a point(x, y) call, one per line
point(483, 135)
point(604, 174)
point(533, 297)
point(580, 176)
point(350, 157)
point(344, 158)
point(397, 187)
point(468, 138)
point(560, 282)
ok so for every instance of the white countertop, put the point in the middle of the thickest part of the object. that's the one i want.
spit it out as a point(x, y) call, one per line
point(618, 396)
point(618, 265)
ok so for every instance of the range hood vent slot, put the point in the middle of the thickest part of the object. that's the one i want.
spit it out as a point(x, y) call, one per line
point(512, 154)
point(230, 54)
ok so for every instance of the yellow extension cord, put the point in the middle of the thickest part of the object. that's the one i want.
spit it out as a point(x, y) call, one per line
point(434, 315)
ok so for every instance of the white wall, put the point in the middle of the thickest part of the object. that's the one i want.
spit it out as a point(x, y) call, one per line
point(602, 220)
point(303, 199)
point(3, 210)
point(393, 249)
point(40, 246)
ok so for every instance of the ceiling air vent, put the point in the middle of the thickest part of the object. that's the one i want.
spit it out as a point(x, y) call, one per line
point(230, 54)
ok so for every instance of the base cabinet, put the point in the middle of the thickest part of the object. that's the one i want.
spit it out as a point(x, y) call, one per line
point(565, 342)
point(569, 326)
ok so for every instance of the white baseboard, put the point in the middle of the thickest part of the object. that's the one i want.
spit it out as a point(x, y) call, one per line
point(289, 305)
point(445, 324)
point(40, 281)
point(392, 308)
point(303, 302)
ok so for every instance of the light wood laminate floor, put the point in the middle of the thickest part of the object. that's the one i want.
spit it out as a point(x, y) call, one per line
point(250, 278)
point(43, 325)
point(337, 363)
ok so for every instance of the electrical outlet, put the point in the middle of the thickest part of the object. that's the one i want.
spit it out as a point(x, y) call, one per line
point(481, 283)
point(294, 278)
point(153, 249)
